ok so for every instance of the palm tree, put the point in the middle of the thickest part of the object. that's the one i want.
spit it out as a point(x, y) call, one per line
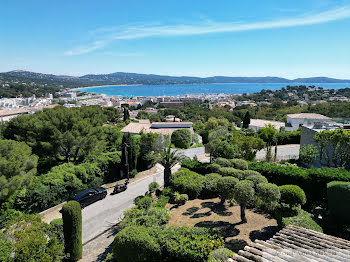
point(168, 158)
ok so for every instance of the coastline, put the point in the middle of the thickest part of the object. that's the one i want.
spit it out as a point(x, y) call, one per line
point(89, 87)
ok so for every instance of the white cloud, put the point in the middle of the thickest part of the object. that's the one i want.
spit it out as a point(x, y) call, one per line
point(112, 34)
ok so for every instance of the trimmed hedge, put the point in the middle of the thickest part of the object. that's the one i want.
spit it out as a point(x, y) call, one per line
point(257, 179)
point(220, 255)
point(338, 201)
point(72, 230)
point(210, 185)
point(135, 244)
point(199, 167)
point(223, 162)
point(239, 164)
point(292, 195)
point(312, 181)
point(301, 219)
point(182, 244)
point(187, 182)
point(230, 171)
point(225, 187)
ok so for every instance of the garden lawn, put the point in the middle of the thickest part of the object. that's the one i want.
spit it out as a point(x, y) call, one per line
point(226, 219)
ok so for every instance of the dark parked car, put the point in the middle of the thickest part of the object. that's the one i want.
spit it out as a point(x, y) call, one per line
point(119, 188)
point(89, 196)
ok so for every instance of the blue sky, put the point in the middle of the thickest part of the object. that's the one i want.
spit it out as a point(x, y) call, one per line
point(300, 38)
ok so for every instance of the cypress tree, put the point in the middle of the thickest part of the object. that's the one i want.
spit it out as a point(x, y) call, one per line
point(72, 229)
point(246, 120)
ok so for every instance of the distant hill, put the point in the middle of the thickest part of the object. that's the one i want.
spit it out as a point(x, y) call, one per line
point(62, 81)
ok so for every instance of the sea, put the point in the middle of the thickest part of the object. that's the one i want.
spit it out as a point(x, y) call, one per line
point(197, 89)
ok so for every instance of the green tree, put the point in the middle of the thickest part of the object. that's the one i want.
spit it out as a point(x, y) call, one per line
point(72, 229)
point(246, 120)
point(248, 146)
point(142, 115)
point(181, 138)
point(168, 158)
point(225, 187)
point(126, 114)
point(308, 153)
point(243, 193)
point(5, 249)
point(269, 135)
point(33, 240)
point(17, 167)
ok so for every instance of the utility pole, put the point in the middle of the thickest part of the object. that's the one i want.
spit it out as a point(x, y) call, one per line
point(126, 146)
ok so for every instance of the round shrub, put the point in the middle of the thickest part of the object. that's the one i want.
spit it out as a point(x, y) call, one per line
point(214, 167)
point(180, 199)
point(137, 199)
point(239, 164)
point(162, 201)
point(250, 173)
point(223, 162)
point(167, 192)
point(220, 255)
point(268, 192)
point(210, 184)
point(153, 186)
point(188, 182)
point(230, 171)
point(162, 214)
point(292, 195)
point(72, 230)
point(225, 187)
point(257, 179)
point(181, 138)
point(134, 243)
point(244, 192)
point(145, 202)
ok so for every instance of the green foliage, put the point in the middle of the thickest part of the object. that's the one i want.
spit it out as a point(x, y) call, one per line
point(210, 184)
point(32, 240)
point(268, 192)
point(338, 194)
point(230, 171)
point(152, 187)
point(142, 114)
point(60, 134)
point(243, 192)
point(168, 244)
point(17, 167)
point(181, 138)
point(5, 249)
point(72, 229)
point(221, 148)
point(220, 255)
point(248, 146)
point(308, 154)
point(292, 195)
point(257, 179)
point(145, 202)
point(246, 120)
point(135, 244)
point(180, 199)
point(56, 228)
point(188, 182)
point(225, 187)
point(239, 164)
point(223, 162)
point(312, 181)
point(197, 166)
point(300, 219)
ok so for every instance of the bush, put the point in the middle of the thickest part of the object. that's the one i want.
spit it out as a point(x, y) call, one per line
point(292, 195)
point(187, 182)
point(244, 192)
point(181, 138)
point(312, 181)
point(197, 166)
point(239, 164)
point(182, 244)
point(133, 173)
point(210, 185)
point(72, 229)
point(268, 192)
point(135, 244)
point(180, 199)
point(223, 162)
point(257, 179)
point(167, 192)
point(220, 255)
point(153, 186)
point(162, 201)
point(251, 173)
point(214, 168)
point(137, 199)
point(308, 153)
point(230, 171)
point(145, 202)
point(225, 187)
point(338, 198)
point(300, 219)
point(56, 228)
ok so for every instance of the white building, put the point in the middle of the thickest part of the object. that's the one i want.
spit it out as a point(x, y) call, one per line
point(294, 121)
point(257, 124)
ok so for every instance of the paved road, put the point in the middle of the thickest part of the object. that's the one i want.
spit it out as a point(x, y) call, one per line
point(192, 151)
point(284, 152)
point(103, 214)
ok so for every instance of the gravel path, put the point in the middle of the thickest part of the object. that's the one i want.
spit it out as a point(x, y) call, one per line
point(284, 152)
